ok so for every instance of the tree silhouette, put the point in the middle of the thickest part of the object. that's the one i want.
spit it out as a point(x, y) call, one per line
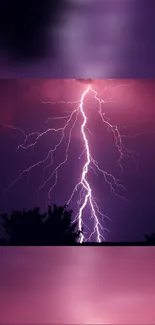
point(150, 239)
point(55, 227)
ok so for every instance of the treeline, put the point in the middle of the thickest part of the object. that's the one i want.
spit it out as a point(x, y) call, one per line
point(54, 227)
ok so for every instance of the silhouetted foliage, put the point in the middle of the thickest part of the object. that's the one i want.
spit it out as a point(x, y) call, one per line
point(55, 227)
point(150, 239)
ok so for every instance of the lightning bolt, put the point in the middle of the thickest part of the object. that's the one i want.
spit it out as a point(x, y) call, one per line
point(86, 197)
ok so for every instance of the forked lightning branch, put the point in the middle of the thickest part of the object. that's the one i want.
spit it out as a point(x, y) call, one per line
point(83, 187)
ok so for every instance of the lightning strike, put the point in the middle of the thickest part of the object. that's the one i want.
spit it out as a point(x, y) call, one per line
point(86, 197)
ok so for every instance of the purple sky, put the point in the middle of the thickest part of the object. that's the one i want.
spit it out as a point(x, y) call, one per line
point(132, 105)
point(91, 285)
point(96, 38)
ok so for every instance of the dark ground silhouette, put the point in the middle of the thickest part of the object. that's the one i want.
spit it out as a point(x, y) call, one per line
point(54, 227)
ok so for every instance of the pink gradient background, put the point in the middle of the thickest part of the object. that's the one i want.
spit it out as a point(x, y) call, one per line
point(77, 284)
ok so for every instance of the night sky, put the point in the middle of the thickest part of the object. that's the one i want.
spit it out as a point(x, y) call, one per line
point(130, 106)
point(75, 285)
point(43, 46)
point(77, 39)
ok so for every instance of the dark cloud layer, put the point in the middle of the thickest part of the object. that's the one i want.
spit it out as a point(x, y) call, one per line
point(81, 39)
point(24, 27)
